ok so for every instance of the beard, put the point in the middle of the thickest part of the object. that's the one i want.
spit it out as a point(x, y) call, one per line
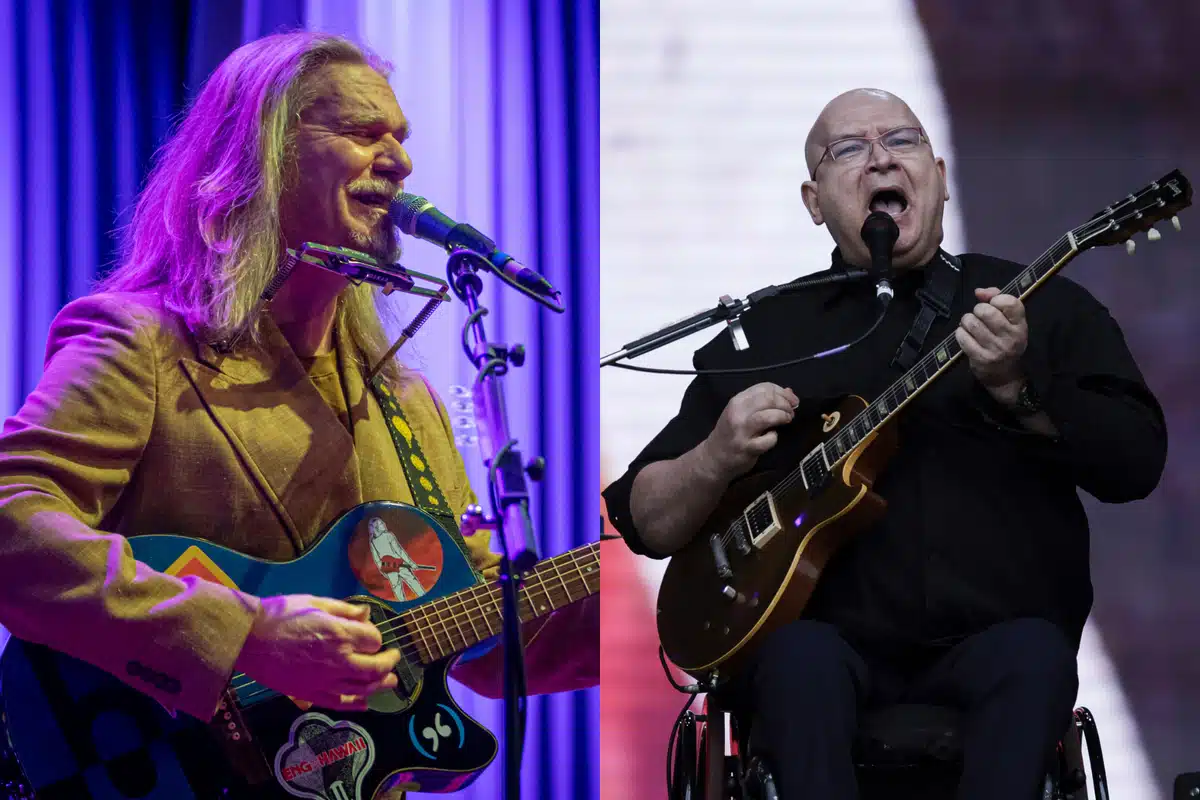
point(382, 243)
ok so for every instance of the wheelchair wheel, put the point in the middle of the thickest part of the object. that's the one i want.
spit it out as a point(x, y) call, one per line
point(758, 783)
point(684, 778)
point(1086, 724)
point(702, 766)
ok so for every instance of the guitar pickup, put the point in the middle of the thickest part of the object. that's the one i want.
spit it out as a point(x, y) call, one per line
point(720, 556)
point(762, 520)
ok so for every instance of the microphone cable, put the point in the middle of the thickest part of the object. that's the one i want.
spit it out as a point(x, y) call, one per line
point(676, 730)
point(883, 297)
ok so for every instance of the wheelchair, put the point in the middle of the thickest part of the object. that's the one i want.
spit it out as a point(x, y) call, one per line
point(900, 751)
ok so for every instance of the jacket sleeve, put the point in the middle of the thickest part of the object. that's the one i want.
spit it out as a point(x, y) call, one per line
point(65, 458)
point(1112, 431)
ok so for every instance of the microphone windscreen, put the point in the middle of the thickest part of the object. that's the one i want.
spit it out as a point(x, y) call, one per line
point(406, 208)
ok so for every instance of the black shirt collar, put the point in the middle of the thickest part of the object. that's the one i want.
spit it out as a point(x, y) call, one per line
point(905, 282)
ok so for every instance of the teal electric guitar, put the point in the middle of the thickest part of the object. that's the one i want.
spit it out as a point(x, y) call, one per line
point(76, 732)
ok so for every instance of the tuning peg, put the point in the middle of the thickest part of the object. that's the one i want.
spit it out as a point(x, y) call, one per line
point(1130, 246)
point(1153, 235)
point(1175, 222)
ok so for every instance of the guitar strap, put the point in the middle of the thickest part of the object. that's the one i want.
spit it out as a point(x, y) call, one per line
point(427, 495)
point(942, 279)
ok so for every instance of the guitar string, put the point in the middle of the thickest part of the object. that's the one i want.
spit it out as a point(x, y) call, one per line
point(411, 640)
point(488, 601)
point(262, 690)
point(473, 599)
point(1085, 231)
point(536, 580)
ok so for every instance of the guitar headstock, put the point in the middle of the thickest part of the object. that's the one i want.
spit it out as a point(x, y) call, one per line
point(1138, 212)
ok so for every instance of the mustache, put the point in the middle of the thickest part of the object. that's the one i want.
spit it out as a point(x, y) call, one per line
point(375, 187)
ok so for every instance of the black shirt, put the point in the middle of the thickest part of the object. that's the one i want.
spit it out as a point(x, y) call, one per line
point(984, 523)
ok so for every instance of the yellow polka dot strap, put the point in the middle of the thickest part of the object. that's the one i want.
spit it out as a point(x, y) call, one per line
point(427, 495)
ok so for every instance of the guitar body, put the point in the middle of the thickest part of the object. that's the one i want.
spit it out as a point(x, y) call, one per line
point(701, 628)
point(77, 732)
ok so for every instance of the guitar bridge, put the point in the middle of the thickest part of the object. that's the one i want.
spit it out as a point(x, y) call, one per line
point(762, 520)
point(740, 541)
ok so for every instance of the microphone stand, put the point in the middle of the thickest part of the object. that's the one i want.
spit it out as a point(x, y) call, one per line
point(508, 492)
point(729, 310)
point(506, 475)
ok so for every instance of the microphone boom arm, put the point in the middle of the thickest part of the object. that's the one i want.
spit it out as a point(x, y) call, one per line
point(729, 310)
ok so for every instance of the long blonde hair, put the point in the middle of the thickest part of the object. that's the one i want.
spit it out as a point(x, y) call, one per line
point(205, 232)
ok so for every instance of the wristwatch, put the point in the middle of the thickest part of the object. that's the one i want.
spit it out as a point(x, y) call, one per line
point(1028, 403)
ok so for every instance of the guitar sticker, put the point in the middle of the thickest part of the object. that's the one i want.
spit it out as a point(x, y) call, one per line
point(194, 562)
point(437, 733)
point(396, 556)
point(324, 760)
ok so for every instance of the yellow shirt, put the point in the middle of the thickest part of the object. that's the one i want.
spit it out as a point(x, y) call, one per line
point(323, 372)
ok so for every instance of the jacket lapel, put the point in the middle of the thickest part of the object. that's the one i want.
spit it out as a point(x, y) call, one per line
point(292, 443)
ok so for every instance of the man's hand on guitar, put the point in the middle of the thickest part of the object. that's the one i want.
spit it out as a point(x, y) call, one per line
point(745, 430)
point(993, 338)
point(320, 650)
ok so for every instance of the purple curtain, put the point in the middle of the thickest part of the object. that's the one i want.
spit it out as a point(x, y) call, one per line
point(504, 97)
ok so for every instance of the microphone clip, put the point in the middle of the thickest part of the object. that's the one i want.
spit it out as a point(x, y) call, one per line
point(879, 233)
point(736, 332)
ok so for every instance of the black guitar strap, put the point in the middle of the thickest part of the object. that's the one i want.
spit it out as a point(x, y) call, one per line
point(427, 495)
point(942, 280)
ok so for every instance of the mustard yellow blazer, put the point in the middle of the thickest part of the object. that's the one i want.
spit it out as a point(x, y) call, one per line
point(137, 428)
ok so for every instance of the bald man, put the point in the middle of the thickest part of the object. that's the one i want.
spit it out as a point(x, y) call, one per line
point(973, 589)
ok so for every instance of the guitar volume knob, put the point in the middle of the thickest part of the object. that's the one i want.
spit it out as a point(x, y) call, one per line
point(733, 594)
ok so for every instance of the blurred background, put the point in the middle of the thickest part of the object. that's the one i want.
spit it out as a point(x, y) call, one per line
point(1045, 113)
point(503, 99)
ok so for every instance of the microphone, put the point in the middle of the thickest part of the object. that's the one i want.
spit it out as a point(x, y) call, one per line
point(418, 217)
point(879, 233)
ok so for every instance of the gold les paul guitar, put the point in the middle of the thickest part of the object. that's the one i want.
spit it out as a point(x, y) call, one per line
point(754, 564)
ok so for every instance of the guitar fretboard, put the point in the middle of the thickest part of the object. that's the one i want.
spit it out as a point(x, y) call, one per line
point(448, 625)
point(929, 367)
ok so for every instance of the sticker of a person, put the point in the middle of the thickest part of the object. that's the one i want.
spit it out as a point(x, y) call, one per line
point(394, 562)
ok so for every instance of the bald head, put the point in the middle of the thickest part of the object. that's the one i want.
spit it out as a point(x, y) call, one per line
point(899, 175)
point(829, 128)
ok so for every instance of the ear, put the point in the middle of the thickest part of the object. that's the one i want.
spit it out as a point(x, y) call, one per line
point(941, 166)
point(808, 192)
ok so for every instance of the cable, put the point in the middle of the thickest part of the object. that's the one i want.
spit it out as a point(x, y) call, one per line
point(691, 691)
point(694, 689)
point(744, 370)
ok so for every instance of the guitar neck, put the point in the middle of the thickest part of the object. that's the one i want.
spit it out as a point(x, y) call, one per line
point(935, 363)
point(449, 625)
